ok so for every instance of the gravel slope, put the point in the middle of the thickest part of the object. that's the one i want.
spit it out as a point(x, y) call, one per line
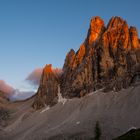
point(117, 112)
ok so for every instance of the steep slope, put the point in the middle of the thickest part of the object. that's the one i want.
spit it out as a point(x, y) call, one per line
point(11, 113)
point(133, 134)
point(116, 112)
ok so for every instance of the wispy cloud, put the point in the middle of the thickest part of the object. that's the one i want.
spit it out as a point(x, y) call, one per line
point(21, 95)
point(34, 77)
point(14, 94)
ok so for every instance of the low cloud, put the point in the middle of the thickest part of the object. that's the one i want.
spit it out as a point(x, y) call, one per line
point(5, 87)
point(14, 94)
point(21, 95)
point(34, 77)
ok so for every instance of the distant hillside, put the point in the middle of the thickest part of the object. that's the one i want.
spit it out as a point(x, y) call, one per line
point(3, 98)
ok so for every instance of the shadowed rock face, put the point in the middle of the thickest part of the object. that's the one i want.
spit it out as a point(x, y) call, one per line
point(48, 89)
point(108, 58)
point(133, 134)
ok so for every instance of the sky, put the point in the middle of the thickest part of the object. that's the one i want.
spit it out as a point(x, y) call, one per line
point(38, 32)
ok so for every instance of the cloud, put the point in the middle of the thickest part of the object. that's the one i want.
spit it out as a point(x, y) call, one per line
point(34, 77)
point(14, 94)
point(5, 87)
point(21, 95)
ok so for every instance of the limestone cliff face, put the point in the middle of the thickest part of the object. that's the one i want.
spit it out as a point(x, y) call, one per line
point(108, 58)
point(48, 89)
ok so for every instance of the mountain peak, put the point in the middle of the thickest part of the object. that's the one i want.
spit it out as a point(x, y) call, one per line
point(48, 68)
point(47, 91)
point(96, 28)
point(115, 21)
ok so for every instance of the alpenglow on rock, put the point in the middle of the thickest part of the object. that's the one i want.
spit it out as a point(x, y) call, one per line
point(48, 89)
point(108, 58)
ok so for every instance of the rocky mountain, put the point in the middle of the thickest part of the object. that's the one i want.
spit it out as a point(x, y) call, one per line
point(48, 89)
point(108, 59)
point(105, 70)
point(109, 56)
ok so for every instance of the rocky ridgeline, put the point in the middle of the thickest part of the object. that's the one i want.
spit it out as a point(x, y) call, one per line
point(109, 59)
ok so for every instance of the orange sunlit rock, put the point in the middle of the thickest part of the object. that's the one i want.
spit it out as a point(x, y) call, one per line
point(48, 68)
point(106, 55)
point(69, 60)
point(134, 37)
point(81, 52)
point(118, 33)
point(80, 55)
point(96, 27)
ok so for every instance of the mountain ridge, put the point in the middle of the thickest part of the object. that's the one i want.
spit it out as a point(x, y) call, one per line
point(108, 58)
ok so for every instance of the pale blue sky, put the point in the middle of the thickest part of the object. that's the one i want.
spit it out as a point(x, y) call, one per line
point(36, 32)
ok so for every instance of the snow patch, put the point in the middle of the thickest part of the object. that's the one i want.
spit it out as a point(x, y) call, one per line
point(77, 123)
point(96, 91)
point(44, 110)
point(133, 127)
point(60, 98)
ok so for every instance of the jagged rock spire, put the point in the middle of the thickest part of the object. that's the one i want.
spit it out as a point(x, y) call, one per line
point(108, 59)
point(47, 93)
